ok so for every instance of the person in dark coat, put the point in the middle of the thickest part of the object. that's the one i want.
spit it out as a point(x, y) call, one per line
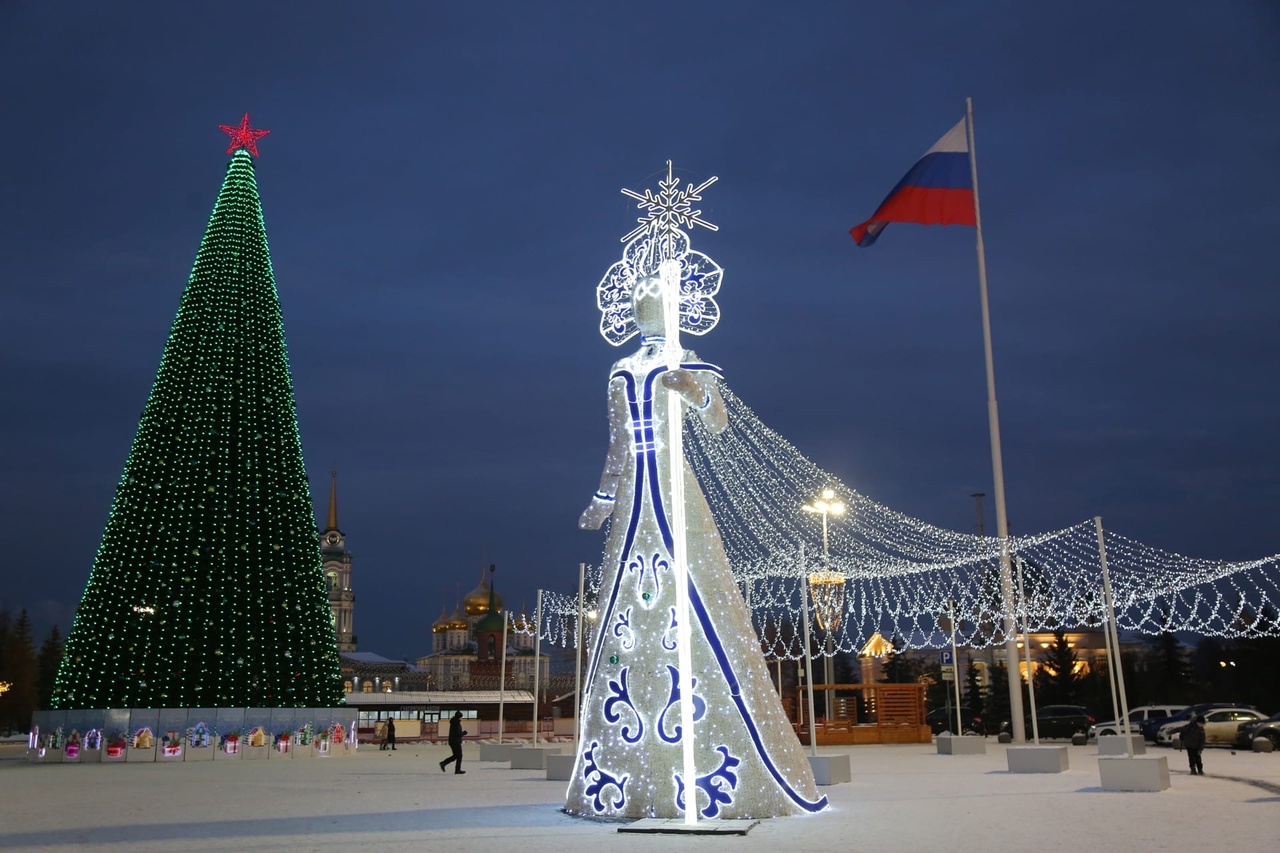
point(1192, 736)
point(456, 734)
point(390, 740)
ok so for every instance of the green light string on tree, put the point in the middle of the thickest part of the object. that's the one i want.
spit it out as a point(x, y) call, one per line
point(207, 588)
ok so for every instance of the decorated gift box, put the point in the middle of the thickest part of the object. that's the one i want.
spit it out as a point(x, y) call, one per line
point(170, 747)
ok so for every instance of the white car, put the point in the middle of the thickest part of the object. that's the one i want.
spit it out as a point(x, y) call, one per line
point(1137, 716)
point(1220, 726)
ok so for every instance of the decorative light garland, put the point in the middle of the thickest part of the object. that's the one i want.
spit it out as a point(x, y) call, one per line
point(901, 572)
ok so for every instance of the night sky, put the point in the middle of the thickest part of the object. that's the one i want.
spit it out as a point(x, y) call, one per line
point(441, 192)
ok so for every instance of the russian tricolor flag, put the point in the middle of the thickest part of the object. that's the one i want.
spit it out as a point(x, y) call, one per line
point(937, 191)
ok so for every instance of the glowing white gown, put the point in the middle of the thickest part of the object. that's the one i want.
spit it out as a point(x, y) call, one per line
point(749, 761)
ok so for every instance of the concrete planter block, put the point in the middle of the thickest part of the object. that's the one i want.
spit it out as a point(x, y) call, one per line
point(255, 753)
point(496, 751)
point(1262, 744)
point(1114, 745)
point(831, 769)
point(199, 753)
point(1037, 759)
point(1079, 739)
point(1004, 737)
point(961, 744)
point(1148, 773)
point(559, 767)
point(531, 758)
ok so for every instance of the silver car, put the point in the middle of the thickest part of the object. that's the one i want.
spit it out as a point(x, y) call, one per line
point(1220, 726)
point(1137, 716)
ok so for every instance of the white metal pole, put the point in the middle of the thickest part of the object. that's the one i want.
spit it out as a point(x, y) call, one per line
point(577, 664)
point(502, 677)
point(955, 665)
point(1121, 722)
point(537, 663)
point(669, 270)
point(1026, 646)
point(1115, 636)
point(997, 463)
point(808, 660)
point(828, 661)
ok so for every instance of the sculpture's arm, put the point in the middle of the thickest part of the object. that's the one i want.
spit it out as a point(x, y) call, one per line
point(700, 391)
point(602, 502)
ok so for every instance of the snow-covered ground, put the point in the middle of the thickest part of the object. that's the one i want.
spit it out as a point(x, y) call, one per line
point(902, 798)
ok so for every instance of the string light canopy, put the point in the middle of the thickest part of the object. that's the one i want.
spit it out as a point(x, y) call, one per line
point(243, 136)
point(900, 572)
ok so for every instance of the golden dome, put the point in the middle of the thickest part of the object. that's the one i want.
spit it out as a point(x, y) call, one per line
point(476, 602)
point(442, 624)
point(456, 622)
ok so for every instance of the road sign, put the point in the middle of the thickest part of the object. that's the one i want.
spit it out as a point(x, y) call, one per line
point(945, 658)
point(948, 672)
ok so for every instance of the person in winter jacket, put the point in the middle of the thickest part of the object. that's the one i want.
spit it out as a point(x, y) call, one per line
point(456, 734)
point(1192, 736)
point(390, 740)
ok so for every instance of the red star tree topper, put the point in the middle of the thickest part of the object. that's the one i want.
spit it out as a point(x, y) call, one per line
point(243, 136)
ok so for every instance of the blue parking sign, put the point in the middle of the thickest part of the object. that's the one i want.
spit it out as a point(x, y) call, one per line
point(945, 658)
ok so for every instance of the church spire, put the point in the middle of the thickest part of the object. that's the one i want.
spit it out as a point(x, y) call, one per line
point(333, 501)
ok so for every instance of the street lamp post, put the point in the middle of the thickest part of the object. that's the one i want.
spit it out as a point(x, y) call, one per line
point(827, 589)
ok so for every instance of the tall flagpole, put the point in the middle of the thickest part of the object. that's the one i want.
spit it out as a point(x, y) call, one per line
point(997, 464)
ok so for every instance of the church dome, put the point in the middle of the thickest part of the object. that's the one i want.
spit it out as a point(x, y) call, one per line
point(456, 622)
point(442, 624)
point(476, 602)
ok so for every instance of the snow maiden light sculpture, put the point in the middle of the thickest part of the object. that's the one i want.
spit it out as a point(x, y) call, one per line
point(673, 623)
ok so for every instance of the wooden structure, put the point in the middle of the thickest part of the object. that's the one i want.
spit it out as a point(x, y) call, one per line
point(894, 713)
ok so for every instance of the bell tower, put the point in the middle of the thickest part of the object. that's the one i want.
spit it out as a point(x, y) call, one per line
point(337, 573)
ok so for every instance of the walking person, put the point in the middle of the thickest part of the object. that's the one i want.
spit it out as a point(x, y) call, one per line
point(1192, 735)
point(390, 739)
point(456, 734)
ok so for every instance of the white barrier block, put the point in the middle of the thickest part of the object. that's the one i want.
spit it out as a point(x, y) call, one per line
point(1148, 773)
point(560, 767)
point(949, 744)
point(831, 769)
point(1114, 745)
point(1037, 759)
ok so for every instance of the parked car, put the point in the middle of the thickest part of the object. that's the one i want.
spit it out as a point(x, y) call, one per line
point(1061, 720)
point(1220, 726)
point(1268, 728)
point(944, 720)
point(1151, 727)
point(1137, 717)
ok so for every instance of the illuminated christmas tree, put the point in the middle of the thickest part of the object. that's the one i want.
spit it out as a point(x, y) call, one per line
point(207, 589)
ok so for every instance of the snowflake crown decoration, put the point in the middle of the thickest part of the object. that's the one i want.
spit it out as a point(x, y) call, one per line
point(659, 237)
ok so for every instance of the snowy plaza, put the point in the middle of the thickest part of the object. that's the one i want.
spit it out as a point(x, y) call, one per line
point(901, 798)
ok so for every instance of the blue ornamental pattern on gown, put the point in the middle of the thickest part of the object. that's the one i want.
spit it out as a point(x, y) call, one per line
point(719, 785)
point(598, 781)
point(669, 637)
point(649, 590)
point(620, 694)
point(622, 630)
point(699, 707)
